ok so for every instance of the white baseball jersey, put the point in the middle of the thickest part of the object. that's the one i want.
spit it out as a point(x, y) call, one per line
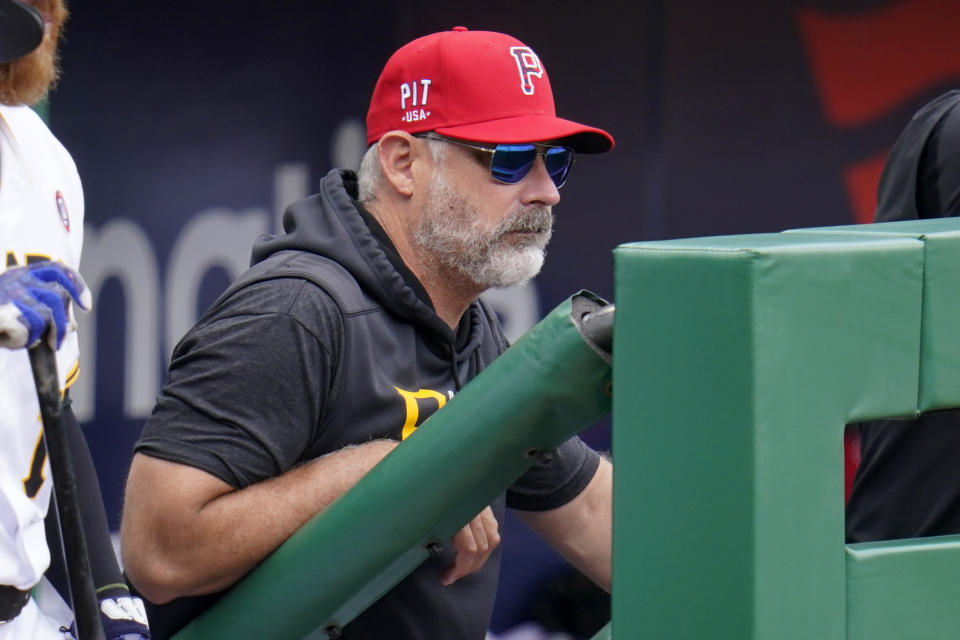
point(41, 217)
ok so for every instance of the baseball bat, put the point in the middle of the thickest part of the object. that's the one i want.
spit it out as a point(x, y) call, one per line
point(43, 363)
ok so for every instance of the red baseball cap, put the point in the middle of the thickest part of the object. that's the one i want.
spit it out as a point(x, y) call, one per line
point(480, 86)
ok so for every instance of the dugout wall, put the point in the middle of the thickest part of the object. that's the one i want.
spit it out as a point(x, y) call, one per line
point(739, 360)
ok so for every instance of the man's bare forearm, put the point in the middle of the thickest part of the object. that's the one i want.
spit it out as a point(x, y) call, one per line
point(582, 530)
point(186, 532)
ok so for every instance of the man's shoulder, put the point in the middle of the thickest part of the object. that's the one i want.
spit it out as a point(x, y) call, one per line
point(35, 143)
point(22, 115)
point(28, 128)
point(327, 279)
point(283, 294)
point(308, 288)
point(299, 263)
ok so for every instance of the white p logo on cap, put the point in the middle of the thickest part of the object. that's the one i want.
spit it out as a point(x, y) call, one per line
point(529, 65)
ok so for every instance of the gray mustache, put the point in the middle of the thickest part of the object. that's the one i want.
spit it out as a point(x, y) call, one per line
point(533, 221)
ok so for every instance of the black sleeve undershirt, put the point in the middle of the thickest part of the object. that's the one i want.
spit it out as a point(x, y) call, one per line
point(104, 567)
point(557, 480)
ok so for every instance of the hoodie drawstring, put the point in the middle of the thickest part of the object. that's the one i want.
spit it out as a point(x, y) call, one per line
point(457, 381)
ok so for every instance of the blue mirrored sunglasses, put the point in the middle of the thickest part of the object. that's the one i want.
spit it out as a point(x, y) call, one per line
point(510, 163)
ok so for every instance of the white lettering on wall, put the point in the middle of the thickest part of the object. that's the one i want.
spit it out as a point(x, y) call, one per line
point(123, 251)
point(212, 238)
point(348, 144)
point(517, 307)
point(291, 182)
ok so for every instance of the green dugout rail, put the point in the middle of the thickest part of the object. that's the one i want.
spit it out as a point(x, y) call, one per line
point(738, 362)
point(550, 385)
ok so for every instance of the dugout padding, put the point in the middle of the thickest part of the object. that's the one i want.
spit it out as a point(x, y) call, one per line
point(738, 362)
point(940, 349)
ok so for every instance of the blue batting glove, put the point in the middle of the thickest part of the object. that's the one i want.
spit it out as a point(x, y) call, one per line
point(35, 303)
point(124, 618)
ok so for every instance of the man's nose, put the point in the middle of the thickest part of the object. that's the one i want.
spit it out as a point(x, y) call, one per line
point(539, 187)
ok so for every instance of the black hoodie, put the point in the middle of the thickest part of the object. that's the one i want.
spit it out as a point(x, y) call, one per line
point(329, 340)
point(908, 484)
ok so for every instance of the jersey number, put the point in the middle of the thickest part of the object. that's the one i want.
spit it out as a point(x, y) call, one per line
point(31, 258)
point(33, 482)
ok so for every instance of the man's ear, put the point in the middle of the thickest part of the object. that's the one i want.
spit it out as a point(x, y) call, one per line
point(397, 152)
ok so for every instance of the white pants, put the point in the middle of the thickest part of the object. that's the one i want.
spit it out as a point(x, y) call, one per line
point(42, 621)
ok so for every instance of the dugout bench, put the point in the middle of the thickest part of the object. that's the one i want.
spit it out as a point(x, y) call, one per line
point(739, 360)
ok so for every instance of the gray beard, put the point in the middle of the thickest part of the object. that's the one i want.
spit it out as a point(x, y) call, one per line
point(451, 235)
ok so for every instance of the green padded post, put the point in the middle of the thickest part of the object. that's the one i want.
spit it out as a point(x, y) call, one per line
point(909, 588)
point(940, 350)
point(739, 360)
point(543, 390)
point(904, 589)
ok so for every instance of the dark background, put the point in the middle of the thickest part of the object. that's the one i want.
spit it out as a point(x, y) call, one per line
point(735, 117)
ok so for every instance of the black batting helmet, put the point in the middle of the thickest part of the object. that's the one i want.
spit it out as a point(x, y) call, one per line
point(21, 29)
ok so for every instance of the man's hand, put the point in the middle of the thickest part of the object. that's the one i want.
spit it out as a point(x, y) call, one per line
point(473, 545)
point(35, 303)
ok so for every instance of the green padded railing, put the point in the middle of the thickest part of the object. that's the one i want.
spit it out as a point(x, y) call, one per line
point(544, 389)
point(739, 361)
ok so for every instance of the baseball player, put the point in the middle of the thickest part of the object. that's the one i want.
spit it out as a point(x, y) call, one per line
point(41, 232)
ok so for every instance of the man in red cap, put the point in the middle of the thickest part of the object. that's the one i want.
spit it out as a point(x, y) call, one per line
point(300, 377)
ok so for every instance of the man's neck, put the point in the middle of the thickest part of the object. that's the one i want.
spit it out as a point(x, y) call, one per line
point(450, 292)
point(450, 300)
